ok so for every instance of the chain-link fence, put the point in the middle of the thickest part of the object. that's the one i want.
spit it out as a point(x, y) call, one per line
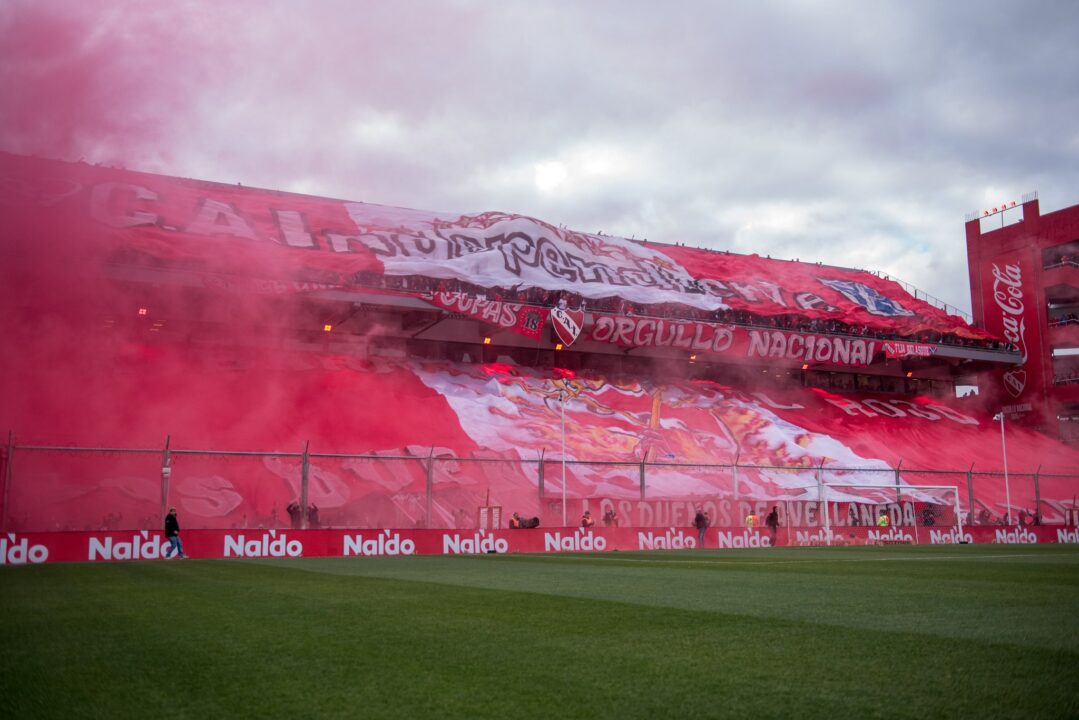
point(53, 488)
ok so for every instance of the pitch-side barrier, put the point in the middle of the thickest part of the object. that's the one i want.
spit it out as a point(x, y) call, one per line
point(106, 546)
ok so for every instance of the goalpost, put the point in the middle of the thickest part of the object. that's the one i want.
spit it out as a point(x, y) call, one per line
point(934, 506)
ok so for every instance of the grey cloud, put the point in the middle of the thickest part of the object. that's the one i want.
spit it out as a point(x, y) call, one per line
point(878, 125)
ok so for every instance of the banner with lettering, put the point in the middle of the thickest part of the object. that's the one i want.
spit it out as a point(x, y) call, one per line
point(1011, 306)
point(233, 232)
point(527, 320)
point(151, 546)
point(898, 349)
point(733, 341)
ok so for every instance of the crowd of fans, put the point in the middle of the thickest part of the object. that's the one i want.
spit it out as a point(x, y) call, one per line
point(1060, 259)
point(1067, 376)
point(1064, 320)
point(621, 306)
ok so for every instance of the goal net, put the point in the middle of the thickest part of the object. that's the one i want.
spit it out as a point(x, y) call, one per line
point(892, 514)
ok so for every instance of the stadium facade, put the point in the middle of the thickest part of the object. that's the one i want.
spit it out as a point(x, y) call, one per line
point(1024, 280)
point(235, 351)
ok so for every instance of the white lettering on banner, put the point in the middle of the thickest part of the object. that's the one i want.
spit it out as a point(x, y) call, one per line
point(577, 542)
point(1015, 537)
point(1068, 536)
point(949, 537)
point(889, 535)
point(823, 536)
point(890, 408)
point(810, 348)
point(101, 200)
point(141, 547)
point(899, 349)
point(670, 540)
point(1010, 301)
point(478, 543)
point(495, 312)
point(14, 551)
point(656, 332)
point(381, 544)
point(266, 545)
point(743, 540)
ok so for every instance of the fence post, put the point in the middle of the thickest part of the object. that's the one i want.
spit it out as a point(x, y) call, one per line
point(642, 481)
point(822, 498)
point(7, 478)
point(734, 473)
point(166, 475)
point(542, 451)
point(898, 483)
point(1037, 498)
point(304, 465)
point(970, 495)
point(430, 487)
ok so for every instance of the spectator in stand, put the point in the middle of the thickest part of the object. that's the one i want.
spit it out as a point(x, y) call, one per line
point(312, 516)
point(610, 519)
point(295, 514)
point(515, 522)
point(587, 520)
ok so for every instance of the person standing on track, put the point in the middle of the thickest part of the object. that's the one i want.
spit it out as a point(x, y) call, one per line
point(172, 534)
point(772, 523)
point(700, 521)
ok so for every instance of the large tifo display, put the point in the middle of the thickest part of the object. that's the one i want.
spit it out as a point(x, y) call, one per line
point(17, 549)
point(273, 242)
point(423, 444)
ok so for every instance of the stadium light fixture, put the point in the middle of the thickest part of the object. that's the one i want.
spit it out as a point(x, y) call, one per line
point(910, 374)
point(693, 357)
point(327, 328)
point(805, 366)
point(558, 346)
point(487, 341)
point(143, 311)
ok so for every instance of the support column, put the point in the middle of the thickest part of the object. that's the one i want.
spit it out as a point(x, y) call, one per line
point(7, 479)
point(166, 475)
point(304, 465)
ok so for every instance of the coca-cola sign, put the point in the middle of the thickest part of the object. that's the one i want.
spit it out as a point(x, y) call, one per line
point(1009, 300)
point(1008, 296)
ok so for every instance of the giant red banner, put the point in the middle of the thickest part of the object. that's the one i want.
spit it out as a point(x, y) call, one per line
point(137, 218)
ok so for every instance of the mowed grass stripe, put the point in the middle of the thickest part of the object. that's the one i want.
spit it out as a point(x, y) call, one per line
point(231, 639)
point(1032, 603)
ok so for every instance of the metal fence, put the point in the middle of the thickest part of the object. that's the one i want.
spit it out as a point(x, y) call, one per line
point(50, 488)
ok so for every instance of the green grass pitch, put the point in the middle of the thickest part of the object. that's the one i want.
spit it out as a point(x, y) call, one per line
point(917, 632)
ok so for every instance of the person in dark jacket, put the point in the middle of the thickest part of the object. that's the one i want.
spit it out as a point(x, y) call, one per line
point(700, 521)
point(772, 523)
point(172, 534)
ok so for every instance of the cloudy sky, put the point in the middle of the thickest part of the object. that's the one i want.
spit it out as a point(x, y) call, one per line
point(854, 133)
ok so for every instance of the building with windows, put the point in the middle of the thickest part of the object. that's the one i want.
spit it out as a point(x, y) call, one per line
point(1024, 283)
